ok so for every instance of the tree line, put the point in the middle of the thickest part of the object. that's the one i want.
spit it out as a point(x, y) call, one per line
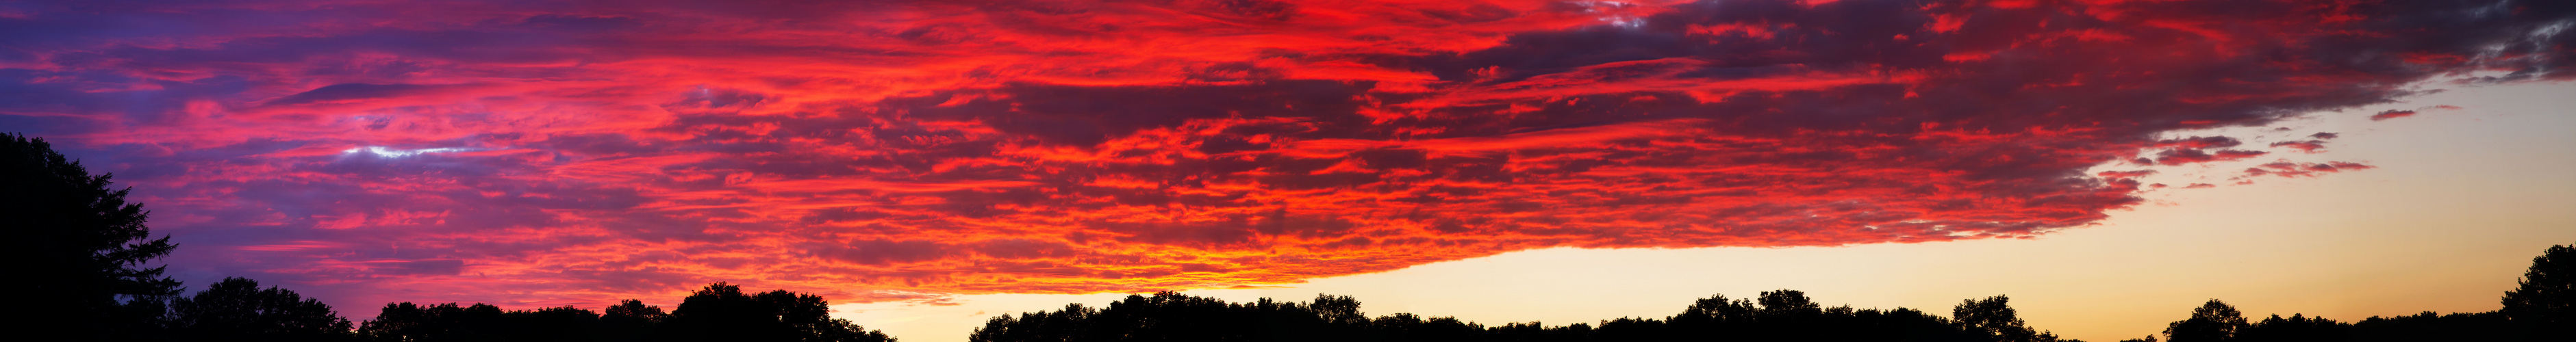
point(84, 247)
point(1783, 315)
point(2539, 310)
point(238, 309)
point(719, 312)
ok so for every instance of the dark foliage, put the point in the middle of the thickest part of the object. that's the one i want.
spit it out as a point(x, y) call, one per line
point(1991, 317)
point(2213, 322)
point(69, 229)
point(237, 309)
point(2545, 304)
point(1779, 316)
point(630, 320)
point(2428, 326)
point(720, 312)
point(2536, 311)
point(2296, 328)
point(480, 322)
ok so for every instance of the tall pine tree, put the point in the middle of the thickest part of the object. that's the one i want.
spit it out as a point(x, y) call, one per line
point(78, 248)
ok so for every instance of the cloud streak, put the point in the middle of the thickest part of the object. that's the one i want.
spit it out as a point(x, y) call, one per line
point(551, 153)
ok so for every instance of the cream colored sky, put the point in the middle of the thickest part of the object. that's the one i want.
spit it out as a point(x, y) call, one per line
point(2461, 201)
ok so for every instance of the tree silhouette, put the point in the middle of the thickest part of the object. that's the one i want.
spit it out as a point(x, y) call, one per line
point(1782, 315)
point(2545, 303)
point(237, 309)
point(411, 322)
point(1992, 316)
point(722, 312)
point(629, 320)
point(2538, 310)
point(1171, 316)
point(719, 312)
point(480, 322)
point(2296, 328)
point(1338, 309)
point(2429, 326)
point(562, 323)
point(80, 243)
point(2213, 322)
point(1787, 302)
point(1716, 308)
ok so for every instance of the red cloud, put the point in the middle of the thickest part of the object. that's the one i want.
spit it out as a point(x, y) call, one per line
point(909, 150)
point(2310, 146)
point(2391, 114)
point(2125, 174)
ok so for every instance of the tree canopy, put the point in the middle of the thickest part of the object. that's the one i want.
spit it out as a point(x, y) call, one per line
point(238, 309)
point(723, 312)
point(2212, 322)
point(1993, 316)
point(719, 312)
point(80, 242)
point(2545, 303)
point(1783, 315)
point(2535, 311)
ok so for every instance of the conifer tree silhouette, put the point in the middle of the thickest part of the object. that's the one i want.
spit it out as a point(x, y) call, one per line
point(82, 245)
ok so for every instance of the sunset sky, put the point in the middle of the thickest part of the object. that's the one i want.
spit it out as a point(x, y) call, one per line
point(2108, 163)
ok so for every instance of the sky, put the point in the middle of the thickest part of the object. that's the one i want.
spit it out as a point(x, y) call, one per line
point(2095, 159)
